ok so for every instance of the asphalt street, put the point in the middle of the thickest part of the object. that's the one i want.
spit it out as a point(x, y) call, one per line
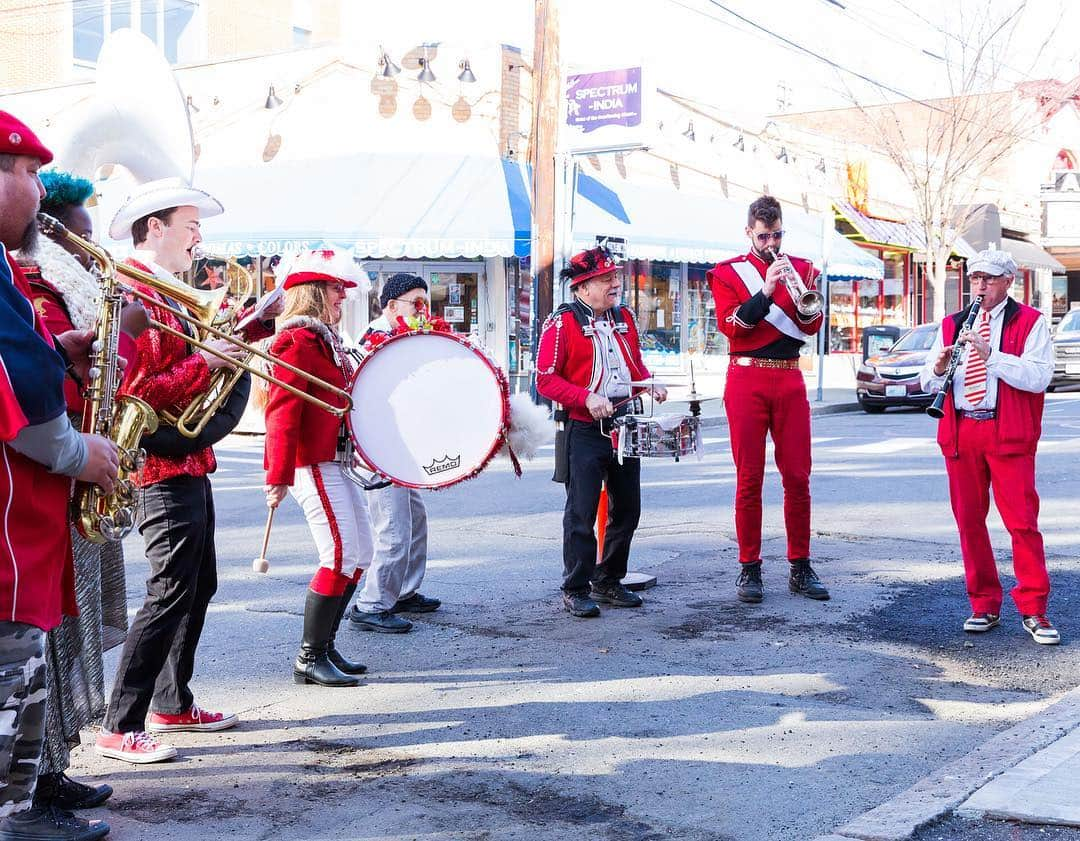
point(695, 717)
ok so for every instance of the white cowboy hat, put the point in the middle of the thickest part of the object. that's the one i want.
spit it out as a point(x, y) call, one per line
point(155, 196)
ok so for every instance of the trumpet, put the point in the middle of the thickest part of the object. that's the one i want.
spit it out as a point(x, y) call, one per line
point(809, 302)
point(204, 309)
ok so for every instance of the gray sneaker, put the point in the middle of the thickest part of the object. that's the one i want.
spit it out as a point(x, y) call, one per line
point(384, 622)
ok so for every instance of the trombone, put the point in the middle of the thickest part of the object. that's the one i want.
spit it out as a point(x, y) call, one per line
point(205, 309)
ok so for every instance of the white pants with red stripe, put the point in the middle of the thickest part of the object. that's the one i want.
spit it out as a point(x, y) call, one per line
point(337, 515)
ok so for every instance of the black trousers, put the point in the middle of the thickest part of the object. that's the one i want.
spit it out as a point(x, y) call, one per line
point(592, 461)
point(177, 524)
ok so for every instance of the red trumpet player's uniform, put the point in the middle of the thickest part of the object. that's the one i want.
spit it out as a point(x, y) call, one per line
point(765, 394)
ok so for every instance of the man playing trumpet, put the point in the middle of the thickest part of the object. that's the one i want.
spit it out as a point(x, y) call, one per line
point(764, 393)
point(177, 511)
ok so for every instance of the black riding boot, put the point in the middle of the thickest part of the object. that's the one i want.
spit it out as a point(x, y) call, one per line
point(313, 663)
point(349, 667)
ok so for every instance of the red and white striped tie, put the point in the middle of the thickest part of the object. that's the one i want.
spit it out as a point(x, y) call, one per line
point(975, 370)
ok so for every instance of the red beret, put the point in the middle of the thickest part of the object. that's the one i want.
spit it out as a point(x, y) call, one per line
point(17, 139)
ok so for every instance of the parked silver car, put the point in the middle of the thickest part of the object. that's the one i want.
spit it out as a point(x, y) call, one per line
point(1066, 338)
point(891, 378)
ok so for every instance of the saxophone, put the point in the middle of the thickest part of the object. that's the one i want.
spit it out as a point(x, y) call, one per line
point(101, 517)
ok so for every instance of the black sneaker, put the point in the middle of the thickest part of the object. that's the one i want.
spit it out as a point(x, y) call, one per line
point(980, 623)
point(614, 594)
point(579, 604)
point(748, 588)
point(804, 581)
point(384, 621)
point(68, 794)
point(47, 823)
point(416, 603)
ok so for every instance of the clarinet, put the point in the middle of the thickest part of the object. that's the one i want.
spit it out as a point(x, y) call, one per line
point(937, 408)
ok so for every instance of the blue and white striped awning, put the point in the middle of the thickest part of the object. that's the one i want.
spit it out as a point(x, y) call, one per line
point(379, 205)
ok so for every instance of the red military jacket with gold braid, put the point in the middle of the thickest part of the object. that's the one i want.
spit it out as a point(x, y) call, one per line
point(568, 362)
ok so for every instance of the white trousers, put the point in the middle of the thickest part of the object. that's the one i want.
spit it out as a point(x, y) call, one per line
point(397, 570)
point(337, 514)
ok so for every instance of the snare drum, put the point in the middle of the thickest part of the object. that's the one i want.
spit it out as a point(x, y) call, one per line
point(429, 409)
point(656, 436)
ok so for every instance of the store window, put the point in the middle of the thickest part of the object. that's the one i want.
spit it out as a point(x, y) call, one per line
point(654, 296)
point(703, 337)
point(519, 353)
point(842, 316)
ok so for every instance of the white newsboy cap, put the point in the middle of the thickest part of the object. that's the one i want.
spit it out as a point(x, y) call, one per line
point(994, 263)
point(155, 196)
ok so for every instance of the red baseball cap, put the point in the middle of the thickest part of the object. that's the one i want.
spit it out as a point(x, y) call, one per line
point(17, 139)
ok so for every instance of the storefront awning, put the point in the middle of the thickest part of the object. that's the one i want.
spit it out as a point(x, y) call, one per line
point(668, 225)
point(379, 205)
point(907, 235)
point(1028, 255)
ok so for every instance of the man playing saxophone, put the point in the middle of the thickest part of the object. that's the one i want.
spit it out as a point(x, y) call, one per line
point(177, 512)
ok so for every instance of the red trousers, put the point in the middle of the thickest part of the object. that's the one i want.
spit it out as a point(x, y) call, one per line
point(1012, 477)
point(772, 401)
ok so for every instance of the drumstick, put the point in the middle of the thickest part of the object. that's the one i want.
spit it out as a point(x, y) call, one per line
point(261, 563)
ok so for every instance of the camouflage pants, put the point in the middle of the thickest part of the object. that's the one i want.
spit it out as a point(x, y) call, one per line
point(22, 713)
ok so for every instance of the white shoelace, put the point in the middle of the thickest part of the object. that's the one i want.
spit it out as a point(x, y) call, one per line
point(138, 740)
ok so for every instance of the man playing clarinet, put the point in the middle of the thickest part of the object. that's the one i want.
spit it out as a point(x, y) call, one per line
point(988, 435)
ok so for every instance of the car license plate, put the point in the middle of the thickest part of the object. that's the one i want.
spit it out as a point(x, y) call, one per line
point(1072, 367)
point(896, 391)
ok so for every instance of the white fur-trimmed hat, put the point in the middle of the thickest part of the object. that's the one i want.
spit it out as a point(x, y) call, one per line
point(155, 196)
point(321, 266)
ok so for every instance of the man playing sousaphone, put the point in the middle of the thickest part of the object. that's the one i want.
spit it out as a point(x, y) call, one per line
point(177, 509)
point(588, 358)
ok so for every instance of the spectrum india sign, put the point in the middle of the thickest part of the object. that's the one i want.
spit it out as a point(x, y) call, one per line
point(605, 98)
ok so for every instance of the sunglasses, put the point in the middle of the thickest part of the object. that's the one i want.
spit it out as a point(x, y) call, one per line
point(768, 235)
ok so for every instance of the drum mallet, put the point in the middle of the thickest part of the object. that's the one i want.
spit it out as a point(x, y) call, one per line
point(262, 563)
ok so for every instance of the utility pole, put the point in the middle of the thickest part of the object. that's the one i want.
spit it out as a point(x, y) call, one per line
point(546, 94)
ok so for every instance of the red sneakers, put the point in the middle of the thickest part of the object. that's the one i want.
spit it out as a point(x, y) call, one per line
point(194, 719)
point(137, 747)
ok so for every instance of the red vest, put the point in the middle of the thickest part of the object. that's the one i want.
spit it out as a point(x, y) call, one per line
point(1018, 422)
point(730, 291)
point(298, 433)
point(566, 360)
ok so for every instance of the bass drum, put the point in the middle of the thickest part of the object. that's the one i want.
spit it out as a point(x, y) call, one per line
point(429, 409)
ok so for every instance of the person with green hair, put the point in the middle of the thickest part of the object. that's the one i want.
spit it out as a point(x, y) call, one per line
point(66, 296)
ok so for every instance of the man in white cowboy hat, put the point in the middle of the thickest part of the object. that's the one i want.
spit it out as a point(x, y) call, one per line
point(989, 434)
point(177, 511)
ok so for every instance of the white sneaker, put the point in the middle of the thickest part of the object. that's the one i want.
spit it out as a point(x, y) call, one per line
point(1041, 630)
point(979, 623)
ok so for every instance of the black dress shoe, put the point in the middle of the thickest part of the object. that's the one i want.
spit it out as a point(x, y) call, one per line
point(804, 581)
point(416, 603)
point(579, 604)
point(70, 794)
point(614, 594)
point(47, 823)
point(748, 588)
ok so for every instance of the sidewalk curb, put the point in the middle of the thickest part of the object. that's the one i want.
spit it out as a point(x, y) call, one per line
point(942, 791)
point(815, 410)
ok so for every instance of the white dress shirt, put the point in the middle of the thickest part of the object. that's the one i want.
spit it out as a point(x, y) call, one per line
point(1031, 371)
